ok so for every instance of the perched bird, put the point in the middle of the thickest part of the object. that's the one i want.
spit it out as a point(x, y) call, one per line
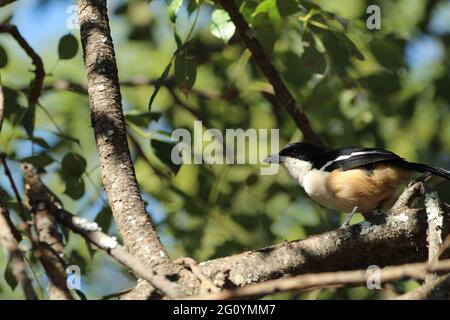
point(349, 179)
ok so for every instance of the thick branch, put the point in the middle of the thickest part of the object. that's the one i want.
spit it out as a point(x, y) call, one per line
point(321, 280)
point(109, 126)
point(249, 38)
point(401, 240)
point(41, 196)
point(133, 222)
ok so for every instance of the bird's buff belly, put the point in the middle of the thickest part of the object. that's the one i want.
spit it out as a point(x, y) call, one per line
point(345, 190)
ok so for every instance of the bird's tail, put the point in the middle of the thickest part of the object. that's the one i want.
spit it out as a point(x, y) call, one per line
point(419, 167)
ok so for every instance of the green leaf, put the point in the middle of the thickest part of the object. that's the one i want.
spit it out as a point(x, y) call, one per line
point(104, 218)
point(9, 277)
point(76, 258)
point(173, 9)
point(268, 7)
point(352, 49)
point(287, 8)
point(36, 140)
point(266, 31)
point(185, 71)
point(68, 47)
point(3, 57)
point(158, 85)
point(221, 27)
point(12, 106)
point(39, 161)
point(336, 51)
point(75, 187)
point(143, 119)
point(67, 137)
point(386, 52)
point(28, 120)
point(163, 150)
point(73, 165)
point(192, 6)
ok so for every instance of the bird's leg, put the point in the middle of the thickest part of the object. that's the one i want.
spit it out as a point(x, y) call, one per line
point(349, 217)
point(375, 217)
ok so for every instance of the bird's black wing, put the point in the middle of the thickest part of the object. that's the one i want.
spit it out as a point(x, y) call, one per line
point(351, 158)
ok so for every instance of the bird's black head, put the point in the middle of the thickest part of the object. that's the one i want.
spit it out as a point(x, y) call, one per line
point(297, 150)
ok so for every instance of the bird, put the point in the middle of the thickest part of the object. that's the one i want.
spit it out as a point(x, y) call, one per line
point(350, 179)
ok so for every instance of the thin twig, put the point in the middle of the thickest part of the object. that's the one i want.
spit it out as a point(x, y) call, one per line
point(437, 288)
point(41, 197)
point(39, 72)
point(93, 234)
point(249, 38)
point(24, 223)
point(2, 104)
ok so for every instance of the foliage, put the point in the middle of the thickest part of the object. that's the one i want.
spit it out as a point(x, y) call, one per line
point(385, 88)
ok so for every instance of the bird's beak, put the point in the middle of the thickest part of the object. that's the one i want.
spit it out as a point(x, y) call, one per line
point(274, 158)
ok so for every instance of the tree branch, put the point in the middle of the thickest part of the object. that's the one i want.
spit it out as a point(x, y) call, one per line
point(250, 40)
point(23, 226)
point(2, 105)
point(93, 234)
point(5, 2)
point(401, 240)
point(434, 287)
point(133, 222)
point(50, 247)
point(39, 72)
point(16, 261)
point(321, 280)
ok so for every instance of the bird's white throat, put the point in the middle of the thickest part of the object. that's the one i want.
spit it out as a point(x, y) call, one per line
point(296, 168)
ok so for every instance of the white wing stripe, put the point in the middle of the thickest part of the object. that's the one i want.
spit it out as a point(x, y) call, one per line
point(347, 156)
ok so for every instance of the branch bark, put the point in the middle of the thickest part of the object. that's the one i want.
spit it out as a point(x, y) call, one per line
point(50, 247)
point(401, 240)
point(321, 280)
point(16, 260)
point(435, 221)
point(282, 93)
point(2, 104)
point(108, 122)
point(434, 289)
point(93, 234)
point(133, 222)
point(5, 2)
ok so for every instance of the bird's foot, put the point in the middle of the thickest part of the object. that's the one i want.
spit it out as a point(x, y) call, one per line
point(375, 217)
